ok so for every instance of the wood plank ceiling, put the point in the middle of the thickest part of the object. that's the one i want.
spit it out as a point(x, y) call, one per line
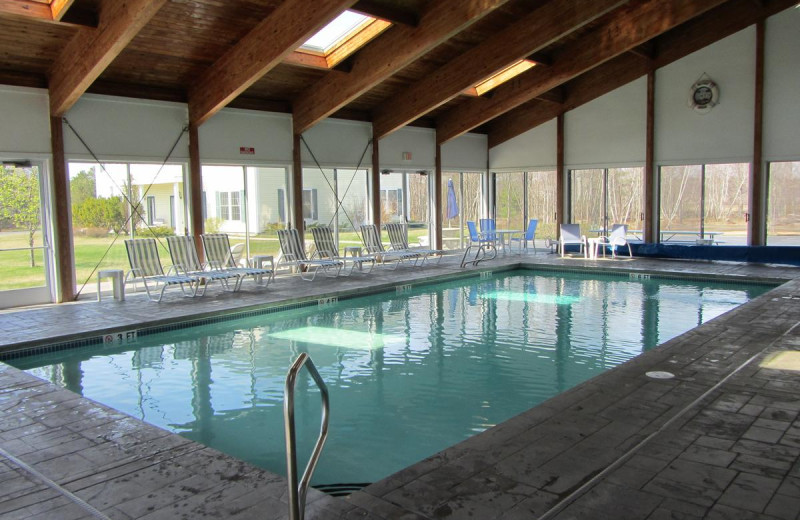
point(214, 53)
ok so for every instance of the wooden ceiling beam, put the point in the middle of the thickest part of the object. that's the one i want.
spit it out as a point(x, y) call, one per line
point(264, 47)
point(393, 50)
point(90, 51)
point(635, 24)
point(677, 43)
point(542, 26)
point(396, 15)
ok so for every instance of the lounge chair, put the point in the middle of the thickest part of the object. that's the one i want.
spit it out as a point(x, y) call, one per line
point(146, 268)
point(372, 241)
point(326, 249)
point(219, 257)
point(482, 241)
point(398, 237)
point(571, 235)
point(294, 254)
point(183, 252)
point(530, 236)
point(617, 238)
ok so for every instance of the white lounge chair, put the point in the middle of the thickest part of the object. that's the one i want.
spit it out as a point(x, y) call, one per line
point(183, 252)
point(372, 242)
point(294, 254)
point(398, 237)
point(146, 268)
point(617, 238)
point(571, 236)
point(220, 256)
point(326, 249)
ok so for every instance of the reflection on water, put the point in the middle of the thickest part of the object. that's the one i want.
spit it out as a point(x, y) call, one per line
point(408, 374)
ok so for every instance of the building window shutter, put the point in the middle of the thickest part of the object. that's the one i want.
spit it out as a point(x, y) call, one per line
point(314, 209)
point(281, 206)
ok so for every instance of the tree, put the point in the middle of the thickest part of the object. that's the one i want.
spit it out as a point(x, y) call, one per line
point(101, 212)
point(19, 201)
point(83, 186)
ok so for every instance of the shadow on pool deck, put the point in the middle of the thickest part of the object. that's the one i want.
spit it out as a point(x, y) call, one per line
point(720, 440)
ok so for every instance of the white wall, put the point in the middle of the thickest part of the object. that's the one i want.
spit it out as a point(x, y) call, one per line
point(468, 152)
point(782, 86)
point(725, 134)
point(26, 118)
point(420, 142)
point(535, 148)
point(608, 131)
point(270, 135)
point(338, 143)
point(126, 129)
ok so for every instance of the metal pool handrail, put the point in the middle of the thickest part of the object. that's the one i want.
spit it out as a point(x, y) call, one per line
point(297, 492)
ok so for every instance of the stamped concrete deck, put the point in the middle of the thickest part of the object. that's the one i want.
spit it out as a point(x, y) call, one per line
point(720, 440)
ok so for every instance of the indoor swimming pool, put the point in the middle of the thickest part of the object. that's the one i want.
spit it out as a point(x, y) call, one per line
point(409, 372)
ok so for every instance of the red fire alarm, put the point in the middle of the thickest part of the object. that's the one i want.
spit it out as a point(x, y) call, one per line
point(247, 150)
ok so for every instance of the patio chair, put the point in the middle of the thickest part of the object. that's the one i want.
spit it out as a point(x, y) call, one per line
point(293, 253)
point(617, 238)
point(571, 235)
point(183, 252)
point(488, 228)
point(529, 236)
point(326, 249)
point(220, 257)
point(146, 268)
point(372, 241)
point(398, 237)
point(482, 242)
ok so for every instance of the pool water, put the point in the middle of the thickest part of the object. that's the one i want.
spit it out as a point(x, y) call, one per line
point(408, 374)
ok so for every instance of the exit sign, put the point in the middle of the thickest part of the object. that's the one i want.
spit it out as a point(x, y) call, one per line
point(247, 150)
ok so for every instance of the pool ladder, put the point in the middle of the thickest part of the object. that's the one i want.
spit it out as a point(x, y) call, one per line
point(297, 492)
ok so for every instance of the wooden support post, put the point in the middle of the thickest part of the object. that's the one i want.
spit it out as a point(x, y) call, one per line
point(650, 221)
point(437, 200)
point(756, 227)
point(62, 216)
point(375, 193)
point(196, 189)
point(560, 173)
point(297, 185)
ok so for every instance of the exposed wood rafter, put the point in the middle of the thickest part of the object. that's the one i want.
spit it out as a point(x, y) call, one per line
point(682, 41)
point(393, 50)
point(541, 27)
point(58, 8)
point(635, 24)
point(285, 29)
point(90, 51)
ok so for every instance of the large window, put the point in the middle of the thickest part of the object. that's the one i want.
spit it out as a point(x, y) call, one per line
point(509, 200)
point(115, 201)
point(406, 200)
point(783, 207)
point(603, 197)
point(24, 243)
point(704, 204)
point(461, 202)
point(541, 202)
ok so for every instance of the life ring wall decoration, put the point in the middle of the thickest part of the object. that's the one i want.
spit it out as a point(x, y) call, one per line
point(703, 95)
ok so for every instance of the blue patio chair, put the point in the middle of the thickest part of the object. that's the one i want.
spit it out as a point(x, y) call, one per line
point(530, 236)
point(482, 242)
point(488, 228)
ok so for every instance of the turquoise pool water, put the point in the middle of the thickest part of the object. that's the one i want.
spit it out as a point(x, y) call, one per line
point(409, 374)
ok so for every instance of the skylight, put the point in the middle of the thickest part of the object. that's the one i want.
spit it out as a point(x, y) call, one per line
point(339, 29)
point(504, 75)
point(343, 36)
